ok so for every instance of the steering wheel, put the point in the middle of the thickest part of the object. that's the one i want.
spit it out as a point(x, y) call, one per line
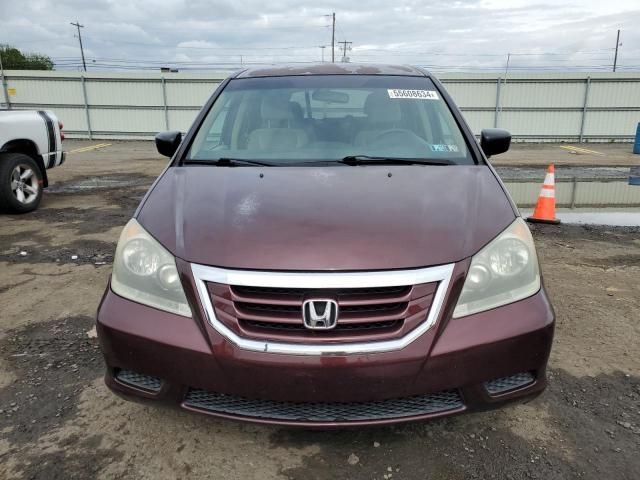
point(408, 135)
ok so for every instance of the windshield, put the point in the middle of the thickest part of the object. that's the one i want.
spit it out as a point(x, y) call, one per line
point(299, 119)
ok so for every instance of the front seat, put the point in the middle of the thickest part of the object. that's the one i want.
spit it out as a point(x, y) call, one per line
point(278, 132)
point(382, 112)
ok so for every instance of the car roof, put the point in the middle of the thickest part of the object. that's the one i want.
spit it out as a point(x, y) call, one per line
point(331, 69)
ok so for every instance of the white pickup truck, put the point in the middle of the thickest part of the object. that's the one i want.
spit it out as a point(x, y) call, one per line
point(30, 143)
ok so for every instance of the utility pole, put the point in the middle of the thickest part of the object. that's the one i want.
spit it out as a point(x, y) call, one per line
point(78, 26)
point(322, 47)
point(615, 58)
point(344, 49)
point(333, 38)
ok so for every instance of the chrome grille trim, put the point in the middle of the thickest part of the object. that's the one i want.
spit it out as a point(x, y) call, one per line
point(378, 278)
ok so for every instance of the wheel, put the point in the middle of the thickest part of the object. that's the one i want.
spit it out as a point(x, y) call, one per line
point(20, 183)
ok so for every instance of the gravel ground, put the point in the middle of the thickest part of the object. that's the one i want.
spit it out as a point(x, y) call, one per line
point(58, 420)
point(566, 172)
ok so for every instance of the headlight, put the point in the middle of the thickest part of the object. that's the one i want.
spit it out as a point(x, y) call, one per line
point(504, 271)
point(145, 272)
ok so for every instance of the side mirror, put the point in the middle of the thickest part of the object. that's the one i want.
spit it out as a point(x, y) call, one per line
point(494, 141)
point(168, 142)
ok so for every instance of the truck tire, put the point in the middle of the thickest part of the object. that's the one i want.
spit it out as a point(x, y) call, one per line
point(20, 183)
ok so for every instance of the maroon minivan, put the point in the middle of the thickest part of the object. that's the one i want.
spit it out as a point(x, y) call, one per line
point(328, 246)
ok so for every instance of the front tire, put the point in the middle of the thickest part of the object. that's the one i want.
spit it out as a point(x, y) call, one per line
point(20, 183)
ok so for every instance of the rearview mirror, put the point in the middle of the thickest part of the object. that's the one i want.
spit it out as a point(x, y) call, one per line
point(168, 142)
point(494, 141)
point(329, 96)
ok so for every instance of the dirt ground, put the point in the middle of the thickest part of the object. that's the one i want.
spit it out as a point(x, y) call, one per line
point(59, 421)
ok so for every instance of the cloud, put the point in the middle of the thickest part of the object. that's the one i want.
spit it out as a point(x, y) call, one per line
point(458, 35)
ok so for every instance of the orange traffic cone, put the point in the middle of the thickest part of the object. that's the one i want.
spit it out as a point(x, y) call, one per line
point(545, 211)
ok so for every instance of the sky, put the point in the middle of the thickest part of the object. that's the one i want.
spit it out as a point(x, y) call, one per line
point(463, 35)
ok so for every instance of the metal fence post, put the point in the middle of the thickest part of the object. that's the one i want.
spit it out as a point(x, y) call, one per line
point(86, 107)
point(574, 187)
point(164, 102)
point(497, 113)
point(585, 107)
point(5, 90)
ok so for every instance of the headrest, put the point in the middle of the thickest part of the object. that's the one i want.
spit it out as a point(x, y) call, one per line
point(275, 107)
point(296, 110)
point(382, 109)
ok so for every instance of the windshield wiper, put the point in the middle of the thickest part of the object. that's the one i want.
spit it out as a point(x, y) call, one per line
point(369, 160)
point(228, 162)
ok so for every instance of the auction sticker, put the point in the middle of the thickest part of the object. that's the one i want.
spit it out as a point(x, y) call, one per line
point(414, 94)
point(444, 148)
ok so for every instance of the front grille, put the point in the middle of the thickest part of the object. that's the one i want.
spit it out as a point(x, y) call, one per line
point(369, 314)
point(258, 307)
point(324, 412)
point(504, 384)
point(139, 380)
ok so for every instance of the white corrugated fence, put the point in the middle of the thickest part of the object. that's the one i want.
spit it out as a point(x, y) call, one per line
point(534, 107)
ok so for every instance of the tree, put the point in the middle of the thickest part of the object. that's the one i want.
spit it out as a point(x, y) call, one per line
point(14, 59)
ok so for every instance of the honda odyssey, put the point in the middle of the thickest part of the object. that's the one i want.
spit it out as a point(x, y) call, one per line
point(328, 246)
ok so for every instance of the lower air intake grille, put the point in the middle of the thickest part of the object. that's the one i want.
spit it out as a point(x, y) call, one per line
point(324, 412)
point(145, 382)
point(504, 384)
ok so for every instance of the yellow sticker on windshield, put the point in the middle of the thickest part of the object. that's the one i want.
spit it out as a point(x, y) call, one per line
point(414, 94)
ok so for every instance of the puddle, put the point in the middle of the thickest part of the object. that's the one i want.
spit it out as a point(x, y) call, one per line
point(603, 216)
point(593, 186)
point(606, 192)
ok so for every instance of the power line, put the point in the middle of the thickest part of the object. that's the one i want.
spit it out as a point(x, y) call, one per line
point(309, 58)
point(549, 62)
point(585, 60)
point(360, 50)
point(105, 64)
point(188, 47)
point(502, 55)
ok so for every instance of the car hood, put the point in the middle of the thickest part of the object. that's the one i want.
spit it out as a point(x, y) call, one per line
point(330, 218)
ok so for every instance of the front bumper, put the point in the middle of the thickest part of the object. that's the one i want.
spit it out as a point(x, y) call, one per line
point(443, 372)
